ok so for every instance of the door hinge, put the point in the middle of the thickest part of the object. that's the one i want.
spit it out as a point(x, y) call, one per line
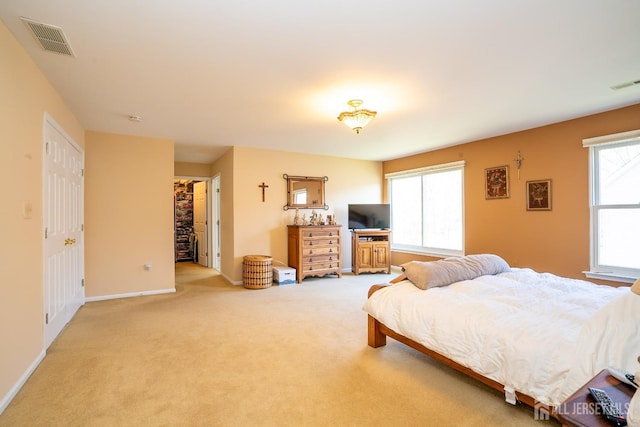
point(82, 172)
point(46, 148)
point(82, 283)
point(217, 190)
point(46, 232)
point(81, 227)
point(46, 318)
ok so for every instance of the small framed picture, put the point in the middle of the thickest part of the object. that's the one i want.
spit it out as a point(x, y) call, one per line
point(496, 182)
point(539, 195)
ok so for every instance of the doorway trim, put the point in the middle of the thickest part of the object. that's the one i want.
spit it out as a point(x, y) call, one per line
point(215, 236)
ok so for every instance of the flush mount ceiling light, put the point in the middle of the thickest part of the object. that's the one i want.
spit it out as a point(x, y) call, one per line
point(135, 118)
point(356, 119)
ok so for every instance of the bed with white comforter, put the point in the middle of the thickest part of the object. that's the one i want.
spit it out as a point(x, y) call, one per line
point(540, 334)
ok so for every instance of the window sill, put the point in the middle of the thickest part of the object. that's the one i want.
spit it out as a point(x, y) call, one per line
point(612, 277)
point(432, 253)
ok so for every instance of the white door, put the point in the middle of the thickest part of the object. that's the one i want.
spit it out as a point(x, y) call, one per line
point(200, 220)
point(63, 206)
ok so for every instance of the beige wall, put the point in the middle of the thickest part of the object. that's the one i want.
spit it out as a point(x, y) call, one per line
point(26, 96)
point(249, 226)
point(191, 169)
point(556, 241)
point(261, 227)
point(128, 214)
point(223, 168)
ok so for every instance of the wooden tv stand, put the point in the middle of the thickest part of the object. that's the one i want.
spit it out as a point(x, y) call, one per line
point(370, 251)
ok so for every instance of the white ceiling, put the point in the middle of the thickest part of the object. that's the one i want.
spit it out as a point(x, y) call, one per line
point(276, 74)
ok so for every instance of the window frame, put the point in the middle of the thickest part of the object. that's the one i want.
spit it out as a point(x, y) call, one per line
point(597, 270)
point(425, 250)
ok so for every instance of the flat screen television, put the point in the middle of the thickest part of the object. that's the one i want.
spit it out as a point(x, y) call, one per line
point(370, 216)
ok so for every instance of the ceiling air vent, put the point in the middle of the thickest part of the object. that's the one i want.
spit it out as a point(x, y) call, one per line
point(51, 38)
point(627, 84)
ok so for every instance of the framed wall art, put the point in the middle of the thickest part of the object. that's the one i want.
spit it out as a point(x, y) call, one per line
point(539, 195)
point(496, 182)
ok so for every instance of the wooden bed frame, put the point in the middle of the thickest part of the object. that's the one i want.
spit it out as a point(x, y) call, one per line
point(377, 337)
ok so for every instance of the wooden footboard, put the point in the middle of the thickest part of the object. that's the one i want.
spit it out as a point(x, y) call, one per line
point(377, 337)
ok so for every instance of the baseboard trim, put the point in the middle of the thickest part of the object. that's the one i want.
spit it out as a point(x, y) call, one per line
point(6, 400)
point(130, 295)
point(233, 282)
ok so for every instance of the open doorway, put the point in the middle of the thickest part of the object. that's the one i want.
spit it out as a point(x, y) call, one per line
point(191, 219)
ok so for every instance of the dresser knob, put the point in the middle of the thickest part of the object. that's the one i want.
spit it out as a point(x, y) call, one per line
point(310, 259)
point(310, 251)
point(310, 234)
point(331, 242)
point(330, 234)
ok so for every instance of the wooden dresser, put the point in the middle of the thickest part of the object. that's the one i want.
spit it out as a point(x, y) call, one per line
point(314, 250)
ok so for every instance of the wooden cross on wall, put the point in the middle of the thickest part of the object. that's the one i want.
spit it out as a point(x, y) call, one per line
point(263, 186)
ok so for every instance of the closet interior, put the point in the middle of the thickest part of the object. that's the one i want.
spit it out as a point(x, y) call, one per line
point(185, 248)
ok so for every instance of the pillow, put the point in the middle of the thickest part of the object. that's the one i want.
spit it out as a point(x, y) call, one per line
point(431, 274)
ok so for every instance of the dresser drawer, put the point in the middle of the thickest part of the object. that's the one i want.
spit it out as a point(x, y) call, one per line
point(320, 266)
point(315, 242)
point(320, 250)
point(319, 233)
point(310, 259)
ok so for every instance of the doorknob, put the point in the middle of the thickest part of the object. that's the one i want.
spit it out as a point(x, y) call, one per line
point(69, 241)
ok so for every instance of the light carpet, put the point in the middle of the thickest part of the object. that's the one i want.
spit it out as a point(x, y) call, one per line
point(215, 354)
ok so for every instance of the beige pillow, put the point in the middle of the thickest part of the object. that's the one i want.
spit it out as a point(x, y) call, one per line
point(431, 274)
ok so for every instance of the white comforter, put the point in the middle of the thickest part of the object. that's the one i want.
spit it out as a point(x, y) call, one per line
point(540, 334)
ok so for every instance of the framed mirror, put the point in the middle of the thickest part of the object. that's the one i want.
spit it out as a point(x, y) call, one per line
point(305, 192)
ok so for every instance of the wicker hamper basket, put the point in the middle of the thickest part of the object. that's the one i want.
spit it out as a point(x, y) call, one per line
point(257, 272)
